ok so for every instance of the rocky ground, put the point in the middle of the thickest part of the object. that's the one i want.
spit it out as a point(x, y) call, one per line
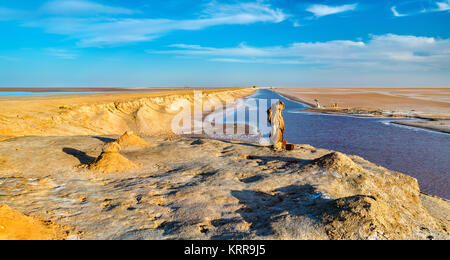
point(192, 188)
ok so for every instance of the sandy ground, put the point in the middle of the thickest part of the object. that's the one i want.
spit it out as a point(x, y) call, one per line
point(425, 103)
point(189, 188)
point(428, 100)
point(435, 125)
point(17, 226)
point(146, 113)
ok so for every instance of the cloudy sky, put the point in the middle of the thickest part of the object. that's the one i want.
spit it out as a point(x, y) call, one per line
point(144, 43)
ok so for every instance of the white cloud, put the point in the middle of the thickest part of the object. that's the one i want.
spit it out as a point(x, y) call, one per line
point(266, 61)
point(396, 13)
point(443, 6)
point(318, 49)
point(425, 7)
point(323, 10)
point(100, 31)
point(242, 51)
point(243, 13)
point(74, 7)
point(382, 51)
point(61, 53)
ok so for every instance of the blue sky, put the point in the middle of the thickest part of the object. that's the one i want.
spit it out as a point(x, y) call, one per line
point(145, 43)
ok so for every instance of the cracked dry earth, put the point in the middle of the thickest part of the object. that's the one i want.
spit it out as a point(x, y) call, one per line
point(191, 188)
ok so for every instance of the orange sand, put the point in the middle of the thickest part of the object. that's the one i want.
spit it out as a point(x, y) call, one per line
point(146, 112)
point(129, 139)
point(111, 161)
point(16, 226)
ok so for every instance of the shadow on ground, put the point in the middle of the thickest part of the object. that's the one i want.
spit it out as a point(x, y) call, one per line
point(289, 161)
point(104, 139)
point(80, 155)
point(261, 209)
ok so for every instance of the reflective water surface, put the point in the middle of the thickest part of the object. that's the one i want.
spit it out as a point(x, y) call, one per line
point(23, 93)
point(422, 154)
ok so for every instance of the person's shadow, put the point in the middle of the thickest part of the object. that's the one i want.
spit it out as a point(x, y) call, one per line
point(80, 155)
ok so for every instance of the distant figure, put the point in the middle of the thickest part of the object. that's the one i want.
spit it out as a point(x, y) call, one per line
point(317, 103)
point(275, 118)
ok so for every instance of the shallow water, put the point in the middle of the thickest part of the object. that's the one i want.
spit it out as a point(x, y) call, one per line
point(20, 93)
point(422, 154)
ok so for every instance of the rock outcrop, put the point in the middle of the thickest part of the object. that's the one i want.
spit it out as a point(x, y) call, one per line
point(129, 139)
point(111, 161)
point(372, 202)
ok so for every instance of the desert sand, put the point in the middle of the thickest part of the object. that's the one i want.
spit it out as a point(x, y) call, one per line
point(145, 112)
point(106, 166)
point(189, 188)
point(16, 226)
point(432, 104)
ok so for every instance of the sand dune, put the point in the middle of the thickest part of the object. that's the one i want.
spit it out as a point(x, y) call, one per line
point(129, 139)
point(111, 161)
point(145, 113)
point(16, 226)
